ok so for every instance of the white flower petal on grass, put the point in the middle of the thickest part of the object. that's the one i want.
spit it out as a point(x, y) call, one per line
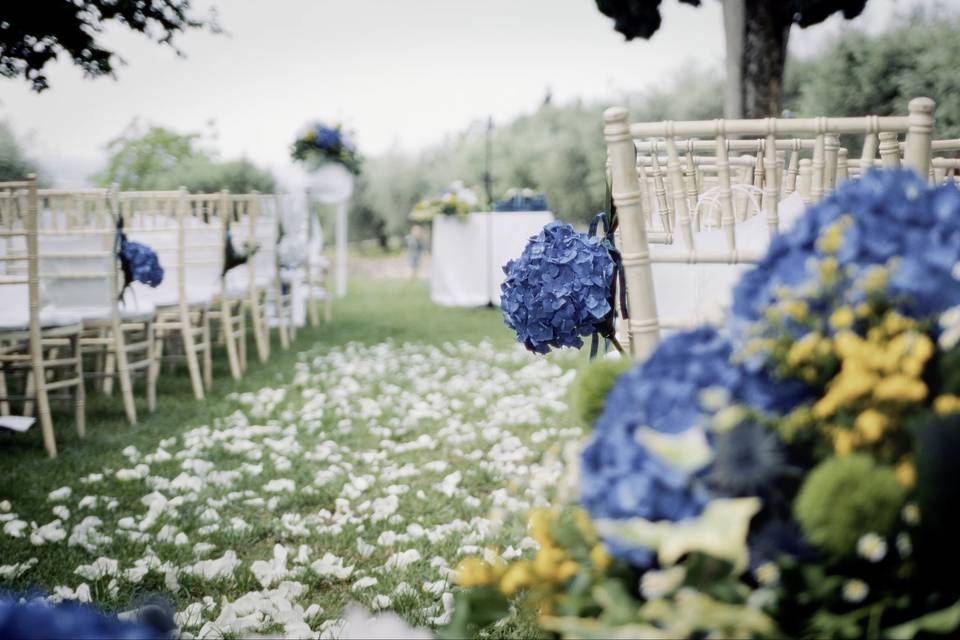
point(381, 602)
point(360, 624)
point(331, 565)
point(363, 583)
point(5, 506)
point(59, 495)
point(203, 548)
point(444, 618)
point(403, 589)
point(448, 486)
point(102, 567)
point(50, 532)
point(435, 588)
point(222, 567)
point(14, 571)
point(387, 539)
point(268, 572)
point(190, 617)
point(139, 472)
point(61, 512)
point(61, 593)
point(402, 560)
point(365, 550)
point(280, 485)
point(14, 528)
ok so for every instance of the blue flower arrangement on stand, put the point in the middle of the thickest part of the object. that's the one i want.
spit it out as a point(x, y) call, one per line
point(321, 144)
point(560, 289)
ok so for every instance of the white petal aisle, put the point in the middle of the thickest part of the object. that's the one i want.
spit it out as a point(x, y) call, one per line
point(363, 476)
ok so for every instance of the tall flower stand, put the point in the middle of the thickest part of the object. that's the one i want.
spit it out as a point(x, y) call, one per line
point(332, 185)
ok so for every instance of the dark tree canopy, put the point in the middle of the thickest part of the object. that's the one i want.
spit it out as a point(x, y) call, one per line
point(35, 32)
point(635, 18)
point(759, 50)
point(641, 18)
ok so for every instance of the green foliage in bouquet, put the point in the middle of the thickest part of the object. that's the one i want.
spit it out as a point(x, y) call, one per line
point(846, 498)
point(592, 384)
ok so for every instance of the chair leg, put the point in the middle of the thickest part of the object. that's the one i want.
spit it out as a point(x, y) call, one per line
point(123, 372)
point(186, 332)
point(241, 334)
point(109, 371)
point(29, 393)
point(327, 300)
point(80, 399)
point(207, 350)
point(4, 398)
point(153, 371)
point(227, 323)
point(261, 330)
point(281, 312)
point(152, 357)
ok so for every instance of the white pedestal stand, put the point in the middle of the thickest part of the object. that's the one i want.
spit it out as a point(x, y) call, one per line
point(333, 185)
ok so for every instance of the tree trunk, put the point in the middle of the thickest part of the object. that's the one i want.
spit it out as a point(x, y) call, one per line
point(734, 32)
point(766, 30)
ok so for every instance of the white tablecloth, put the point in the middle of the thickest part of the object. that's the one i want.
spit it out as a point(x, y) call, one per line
point(466, 267)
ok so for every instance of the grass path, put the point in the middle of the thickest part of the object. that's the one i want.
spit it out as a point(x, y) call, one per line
point(400, 438)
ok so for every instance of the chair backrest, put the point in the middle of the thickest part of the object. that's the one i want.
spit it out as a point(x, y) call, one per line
point(153, 218)
point(203, 241)
point(76, 242)
point(620, 134)
point(19, 267)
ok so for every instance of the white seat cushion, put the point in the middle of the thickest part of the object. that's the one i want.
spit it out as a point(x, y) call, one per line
point(169, 296)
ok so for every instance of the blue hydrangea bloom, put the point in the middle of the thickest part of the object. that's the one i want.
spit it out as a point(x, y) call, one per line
point(327, 137)
point(558, 290)
point(621, 478)
point(894, 214)
point(38, 619)
point(140, 263)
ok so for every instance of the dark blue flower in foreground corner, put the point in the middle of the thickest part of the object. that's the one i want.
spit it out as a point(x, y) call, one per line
point(37, 619)
point(558, 290)
point(620, 477)
point(895, 218)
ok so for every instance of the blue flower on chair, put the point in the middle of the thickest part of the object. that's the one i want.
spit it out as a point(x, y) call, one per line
point(559, 289)
point(140, 264)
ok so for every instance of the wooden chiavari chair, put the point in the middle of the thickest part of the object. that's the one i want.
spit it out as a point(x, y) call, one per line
point(256, 230)
point(81, 274)
point(39, 347)
point(184, 298)
point(279, 305)
point(644, 325)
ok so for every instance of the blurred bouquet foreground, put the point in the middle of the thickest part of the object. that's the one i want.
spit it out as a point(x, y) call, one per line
point(791, 473)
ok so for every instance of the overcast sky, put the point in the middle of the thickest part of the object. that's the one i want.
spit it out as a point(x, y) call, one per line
point(400, 73)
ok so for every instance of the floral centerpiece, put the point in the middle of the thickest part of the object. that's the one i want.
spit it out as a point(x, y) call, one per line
point(791, 474)
point(454, 202)
point(321, 144)
point(521, 200)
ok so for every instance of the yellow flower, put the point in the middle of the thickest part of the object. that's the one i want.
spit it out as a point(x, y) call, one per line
point(547, 562)
point(829, 267)
point(843, 441)
point(842, 318)
point(582, 519)
point(906, 473)
point(567, 570)
point(539, 524)
point(474, 572)
point(516, 577)
point(871, 424)
point(875, 280)
point(599, 557)
point(803, 349)
point(894, 323)
point(946, 404)
point(900, 388)
point(796, 309)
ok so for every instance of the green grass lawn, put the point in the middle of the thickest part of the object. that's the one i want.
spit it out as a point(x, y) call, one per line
point(401, 434)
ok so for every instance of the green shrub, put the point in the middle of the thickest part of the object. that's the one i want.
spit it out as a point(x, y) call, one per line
point(592, 384)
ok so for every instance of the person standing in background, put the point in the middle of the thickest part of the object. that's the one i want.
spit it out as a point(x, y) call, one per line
point(415, 247)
